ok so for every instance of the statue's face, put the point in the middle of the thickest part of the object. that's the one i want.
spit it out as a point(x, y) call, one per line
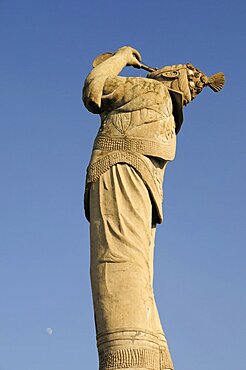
point(168, 75)
point(167, 72)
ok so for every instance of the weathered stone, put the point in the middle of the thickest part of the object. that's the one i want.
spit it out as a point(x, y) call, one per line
point(140, 118)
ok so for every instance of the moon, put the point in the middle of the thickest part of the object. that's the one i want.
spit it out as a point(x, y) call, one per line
point(49, 331)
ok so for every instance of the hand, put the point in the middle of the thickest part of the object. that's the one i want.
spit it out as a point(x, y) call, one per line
point(131, 56)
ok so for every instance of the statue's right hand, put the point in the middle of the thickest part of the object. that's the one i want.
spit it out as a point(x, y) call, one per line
point(131, 56)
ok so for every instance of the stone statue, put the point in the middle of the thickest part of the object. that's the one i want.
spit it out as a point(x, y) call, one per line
point(140, 118)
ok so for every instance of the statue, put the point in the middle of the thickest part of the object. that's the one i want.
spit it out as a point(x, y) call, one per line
point(140, 118)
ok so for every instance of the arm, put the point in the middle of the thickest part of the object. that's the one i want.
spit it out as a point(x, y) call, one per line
point(94, 83)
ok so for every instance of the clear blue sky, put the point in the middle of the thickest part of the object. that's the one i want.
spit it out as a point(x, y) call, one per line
point(47, 48)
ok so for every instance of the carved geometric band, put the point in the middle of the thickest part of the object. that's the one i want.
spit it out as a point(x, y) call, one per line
point(146, 147)
point(129, 358)
point(95, 170)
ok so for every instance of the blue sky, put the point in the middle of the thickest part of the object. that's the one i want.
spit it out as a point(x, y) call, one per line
point(47, 49)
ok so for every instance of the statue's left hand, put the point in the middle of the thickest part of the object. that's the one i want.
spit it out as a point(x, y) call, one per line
point(131, 56)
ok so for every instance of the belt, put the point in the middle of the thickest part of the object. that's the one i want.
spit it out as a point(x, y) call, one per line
point(142, 146)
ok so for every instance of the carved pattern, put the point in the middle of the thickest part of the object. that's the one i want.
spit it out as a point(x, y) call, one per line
point(135, 357)
point(165, 359)
point(141, 146)
point(102, 165)
point(129, 358)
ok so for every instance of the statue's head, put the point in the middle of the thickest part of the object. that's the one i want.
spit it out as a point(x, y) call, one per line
point(187, 79)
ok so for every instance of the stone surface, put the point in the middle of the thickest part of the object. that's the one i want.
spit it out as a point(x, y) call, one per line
point(140, 118)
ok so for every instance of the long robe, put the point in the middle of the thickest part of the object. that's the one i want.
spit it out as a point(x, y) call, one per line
point(122, 231)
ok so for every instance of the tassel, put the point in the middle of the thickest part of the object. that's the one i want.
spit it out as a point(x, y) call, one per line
point(216, 82)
